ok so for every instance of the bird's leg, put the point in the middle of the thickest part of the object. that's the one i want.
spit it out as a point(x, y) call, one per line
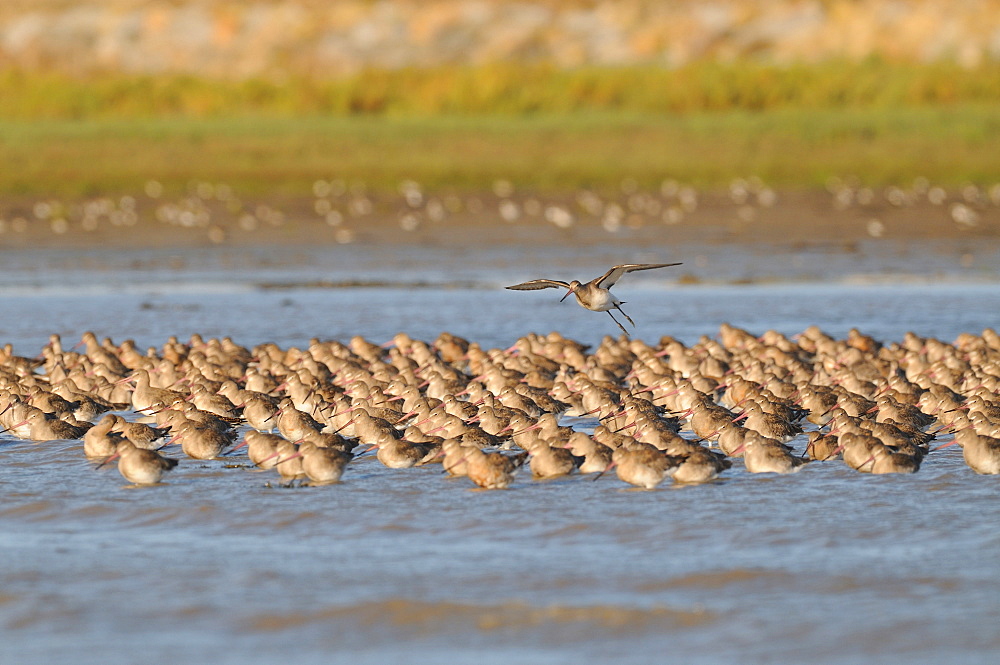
point(624, 314)
point(618, 324)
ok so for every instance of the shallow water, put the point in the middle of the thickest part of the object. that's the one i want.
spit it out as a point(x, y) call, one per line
point(221, 565)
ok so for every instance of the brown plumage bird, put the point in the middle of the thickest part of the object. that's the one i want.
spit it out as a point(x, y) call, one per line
point(492, 471)
point(140, 466)
point(594, 295)
point(643, 466)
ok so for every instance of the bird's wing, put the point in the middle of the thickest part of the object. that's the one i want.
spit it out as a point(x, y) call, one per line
point(608, 279)
point(536, 284)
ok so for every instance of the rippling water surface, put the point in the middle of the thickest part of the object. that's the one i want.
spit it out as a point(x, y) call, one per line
point(220, 565)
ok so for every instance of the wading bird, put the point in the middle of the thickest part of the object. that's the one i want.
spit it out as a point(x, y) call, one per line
point(595, 294)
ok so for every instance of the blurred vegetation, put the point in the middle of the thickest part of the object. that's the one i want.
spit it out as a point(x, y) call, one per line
point(538, 127)
point(545, 152)
point(505, 89)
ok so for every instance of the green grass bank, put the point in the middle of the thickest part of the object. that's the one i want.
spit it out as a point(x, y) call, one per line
point(538, 127)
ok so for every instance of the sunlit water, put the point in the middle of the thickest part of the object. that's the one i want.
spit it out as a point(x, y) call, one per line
point(219, 565)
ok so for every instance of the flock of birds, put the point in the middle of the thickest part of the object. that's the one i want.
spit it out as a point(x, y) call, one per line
point(648, 412)
point(216, 210)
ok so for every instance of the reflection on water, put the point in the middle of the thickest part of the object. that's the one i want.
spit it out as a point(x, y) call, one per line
point(391, 566)
point(492, 316)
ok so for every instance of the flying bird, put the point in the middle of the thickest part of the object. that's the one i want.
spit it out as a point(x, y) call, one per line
point(595, 294)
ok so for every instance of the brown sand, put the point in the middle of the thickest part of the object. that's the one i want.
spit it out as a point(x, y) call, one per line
point(795, 220)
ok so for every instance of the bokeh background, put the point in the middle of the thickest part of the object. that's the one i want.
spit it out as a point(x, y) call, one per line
point(792, 123)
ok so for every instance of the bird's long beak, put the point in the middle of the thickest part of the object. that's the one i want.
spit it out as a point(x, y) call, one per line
point(571, 290)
